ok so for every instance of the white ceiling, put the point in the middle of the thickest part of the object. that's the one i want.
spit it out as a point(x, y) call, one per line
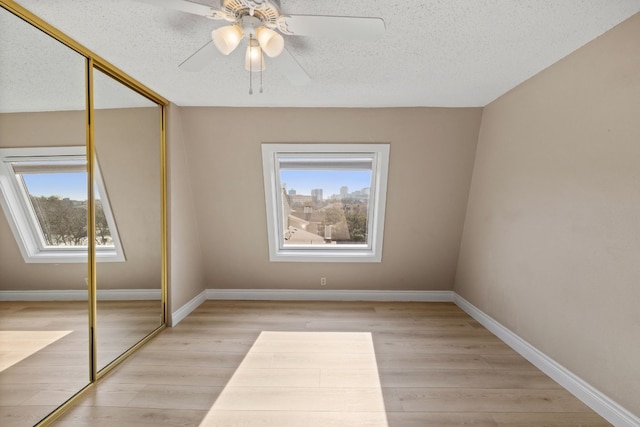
point(451, 53)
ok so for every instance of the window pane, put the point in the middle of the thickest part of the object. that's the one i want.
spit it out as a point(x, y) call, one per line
point(59, 201)
point(325, 202)
point(325, 206)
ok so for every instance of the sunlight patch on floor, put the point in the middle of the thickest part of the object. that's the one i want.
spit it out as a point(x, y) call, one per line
point(18, 345)
point(303, 379)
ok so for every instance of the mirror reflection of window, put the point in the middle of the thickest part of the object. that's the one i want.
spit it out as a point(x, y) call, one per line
point(44, 193)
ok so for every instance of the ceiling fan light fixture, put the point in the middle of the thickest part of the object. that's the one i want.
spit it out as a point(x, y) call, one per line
point(227, 38)
point(271, 42)
point(253, 60)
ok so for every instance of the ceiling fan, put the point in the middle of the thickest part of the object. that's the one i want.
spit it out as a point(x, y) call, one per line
point(262, 24)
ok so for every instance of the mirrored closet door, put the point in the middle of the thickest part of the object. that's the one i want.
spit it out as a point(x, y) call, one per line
point(82, 218)
point(128, 216)
point(44, 332)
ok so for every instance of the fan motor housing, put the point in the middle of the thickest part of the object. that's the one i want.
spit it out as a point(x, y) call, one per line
point(266, 11)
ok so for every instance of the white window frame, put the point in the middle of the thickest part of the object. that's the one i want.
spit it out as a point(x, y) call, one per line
point(23, 221)
point(333, 153)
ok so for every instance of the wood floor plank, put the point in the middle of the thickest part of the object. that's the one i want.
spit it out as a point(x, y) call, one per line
point(440, 419)
point(465, 378)
point(429, 399)
point(222, 418)
point(179, 397)
point(537, 419)
point(104, 416)
point(311, 399)
point(166, 374)
point(415, 360)
point(149, 355)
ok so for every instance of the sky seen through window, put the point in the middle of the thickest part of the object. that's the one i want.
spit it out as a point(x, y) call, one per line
point(330, 181)
point(72, 185)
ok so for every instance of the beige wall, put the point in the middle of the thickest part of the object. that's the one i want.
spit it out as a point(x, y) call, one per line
point(551, 245)
point(432, 152)
point(186, 269)
point(131, 172)
point(128, 150)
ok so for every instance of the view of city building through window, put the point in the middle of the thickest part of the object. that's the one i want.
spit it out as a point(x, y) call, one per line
point(325, 206)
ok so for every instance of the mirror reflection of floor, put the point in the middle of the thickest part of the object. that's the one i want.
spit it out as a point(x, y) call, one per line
point(18, 345)
point(121, 324)
point(44, 350)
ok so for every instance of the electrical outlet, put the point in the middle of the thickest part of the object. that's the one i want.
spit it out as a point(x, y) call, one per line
point(323, 281)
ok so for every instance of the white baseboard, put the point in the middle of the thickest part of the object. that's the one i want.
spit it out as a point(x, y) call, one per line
point(600, 403)
point(178, 315)
point(81, 295)
point(328, 295)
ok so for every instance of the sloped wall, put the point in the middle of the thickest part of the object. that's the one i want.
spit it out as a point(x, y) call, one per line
point(551, 244)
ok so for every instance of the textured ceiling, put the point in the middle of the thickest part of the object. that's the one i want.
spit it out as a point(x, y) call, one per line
point(449, 53)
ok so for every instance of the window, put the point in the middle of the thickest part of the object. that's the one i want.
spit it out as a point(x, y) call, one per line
point(325, 202)
point(44, 197)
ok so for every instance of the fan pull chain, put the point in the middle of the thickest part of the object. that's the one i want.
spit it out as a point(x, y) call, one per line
point(250, 65)
point(261, 68)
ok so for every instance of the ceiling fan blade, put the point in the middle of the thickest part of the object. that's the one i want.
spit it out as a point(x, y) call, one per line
point(343, 27)
point(203, 56)
point(183, 6)
point(290, 68)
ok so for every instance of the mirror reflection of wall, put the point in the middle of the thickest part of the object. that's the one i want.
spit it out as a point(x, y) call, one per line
point(128, 152)
point(44, 334)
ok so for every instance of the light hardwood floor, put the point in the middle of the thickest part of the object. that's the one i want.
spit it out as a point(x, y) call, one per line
point(327, 364)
